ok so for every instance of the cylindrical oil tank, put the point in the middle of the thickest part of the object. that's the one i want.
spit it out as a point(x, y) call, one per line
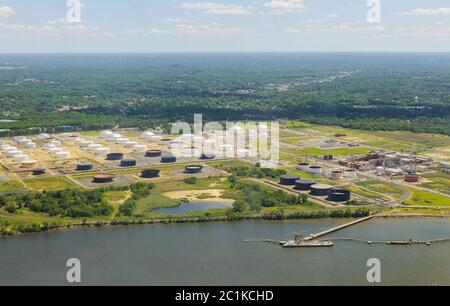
point(150, 173)
point(39, 171)
point(168, 159)
point(29, 164)
point(339, 195)
point(130, 144)
point(153, 153)
point(62, 154)
point(320, 190)
point(194, 169)
point(104, 178)
point(102, 151)
point(30, 145)
point(304, 184)
point(303, 166)
point(85, 167)
point(350, 173)
point(288, 180)
point(94, 146)
point(128, 163)
point(328, 157)
point(21, 158)
point(315, 170)
point(412, 177)
point(140, 148)
point(122, 140)
point(114, 156)
point(207, 156)
point(336, 175)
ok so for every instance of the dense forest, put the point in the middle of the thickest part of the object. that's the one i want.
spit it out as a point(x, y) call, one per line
point(51, 92)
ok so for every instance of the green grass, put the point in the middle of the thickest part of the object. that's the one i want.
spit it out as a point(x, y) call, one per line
point(48, 183)
point(9, 186)
point(321, 152)
point(381, 187)
point(441, 184)
point(422, 198)
point(90, 133)
point(425, 211)
point(295, 139)
point(366, 193)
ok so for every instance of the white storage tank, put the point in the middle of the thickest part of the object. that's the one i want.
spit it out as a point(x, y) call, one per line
point(130, 144)
point(30, 145)
point(106, 134)
point(62, 154)
point(315, 170)
point(94, 146)
point(140, 148)
point(43, 136)
point(122, 140)
point(146, 135)
point(29, 164)
point(85, 144)
point(102, 151)
point(380, 170)
point(14, 153)
point(155, 138)
point(21, 158)
point(54, 150)
point(350, 173)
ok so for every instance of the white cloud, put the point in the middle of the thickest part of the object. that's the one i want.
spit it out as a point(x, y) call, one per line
point(280, 7)
point(6, 11)
point(218, 9)
point(426, 12)
point(425, 32)
point(340, 28)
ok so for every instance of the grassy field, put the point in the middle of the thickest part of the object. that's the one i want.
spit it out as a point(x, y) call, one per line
point(9, 186)
point(367, 193)
point(425, 211)
point(422, 198)
point(321, 152)
point(439, 182)
point(295, 140)
point(48, 183)
point(381, 187)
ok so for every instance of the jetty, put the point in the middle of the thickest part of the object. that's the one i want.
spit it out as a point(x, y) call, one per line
point(338, 228)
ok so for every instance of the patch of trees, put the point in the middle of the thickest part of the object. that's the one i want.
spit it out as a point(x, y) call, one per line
point(71, 203)
point(254, 196)
point(139, 191)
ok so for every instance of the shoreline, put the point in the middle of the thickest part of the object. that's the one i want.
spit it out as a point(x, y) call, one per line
point(78, 225)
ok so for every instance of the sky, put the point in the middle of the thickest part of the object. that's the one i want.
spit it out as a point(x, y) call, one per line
point(51, 26)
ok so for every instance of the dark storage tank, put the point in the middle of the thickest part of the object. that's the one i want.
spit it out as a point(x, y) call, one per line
point(150, 173)
point(114, 156)
point(84, 167)
point(320, 190)
point(194, 169)
point(104, 178)
point(168, 159)
point(288, 180)
point(304, 184)
point(208, 156)
point(153, 153)
point(339, 195)
point(39, 171)
point(128, 163)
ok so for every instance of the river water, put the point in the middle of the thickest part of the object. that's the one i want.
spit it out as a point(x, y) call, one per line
point(215, 254)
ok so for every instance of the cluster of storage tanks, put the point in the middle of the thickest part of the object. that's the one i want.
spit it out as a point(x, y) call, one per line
point(315, 189)
point(18, 155)
point(119, 139)
point(54, 147)
point(332, 174)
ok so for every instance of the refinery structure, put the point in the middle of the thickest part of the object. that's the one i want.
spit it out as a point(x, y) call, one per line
point(125, 156)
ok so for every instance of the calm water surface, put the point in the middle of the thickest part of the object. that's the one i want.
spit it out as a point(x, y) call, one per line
point(214, 254)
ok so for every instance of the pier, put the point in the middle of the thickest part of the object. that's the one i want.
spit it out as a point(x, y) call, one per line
point(338, 228)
